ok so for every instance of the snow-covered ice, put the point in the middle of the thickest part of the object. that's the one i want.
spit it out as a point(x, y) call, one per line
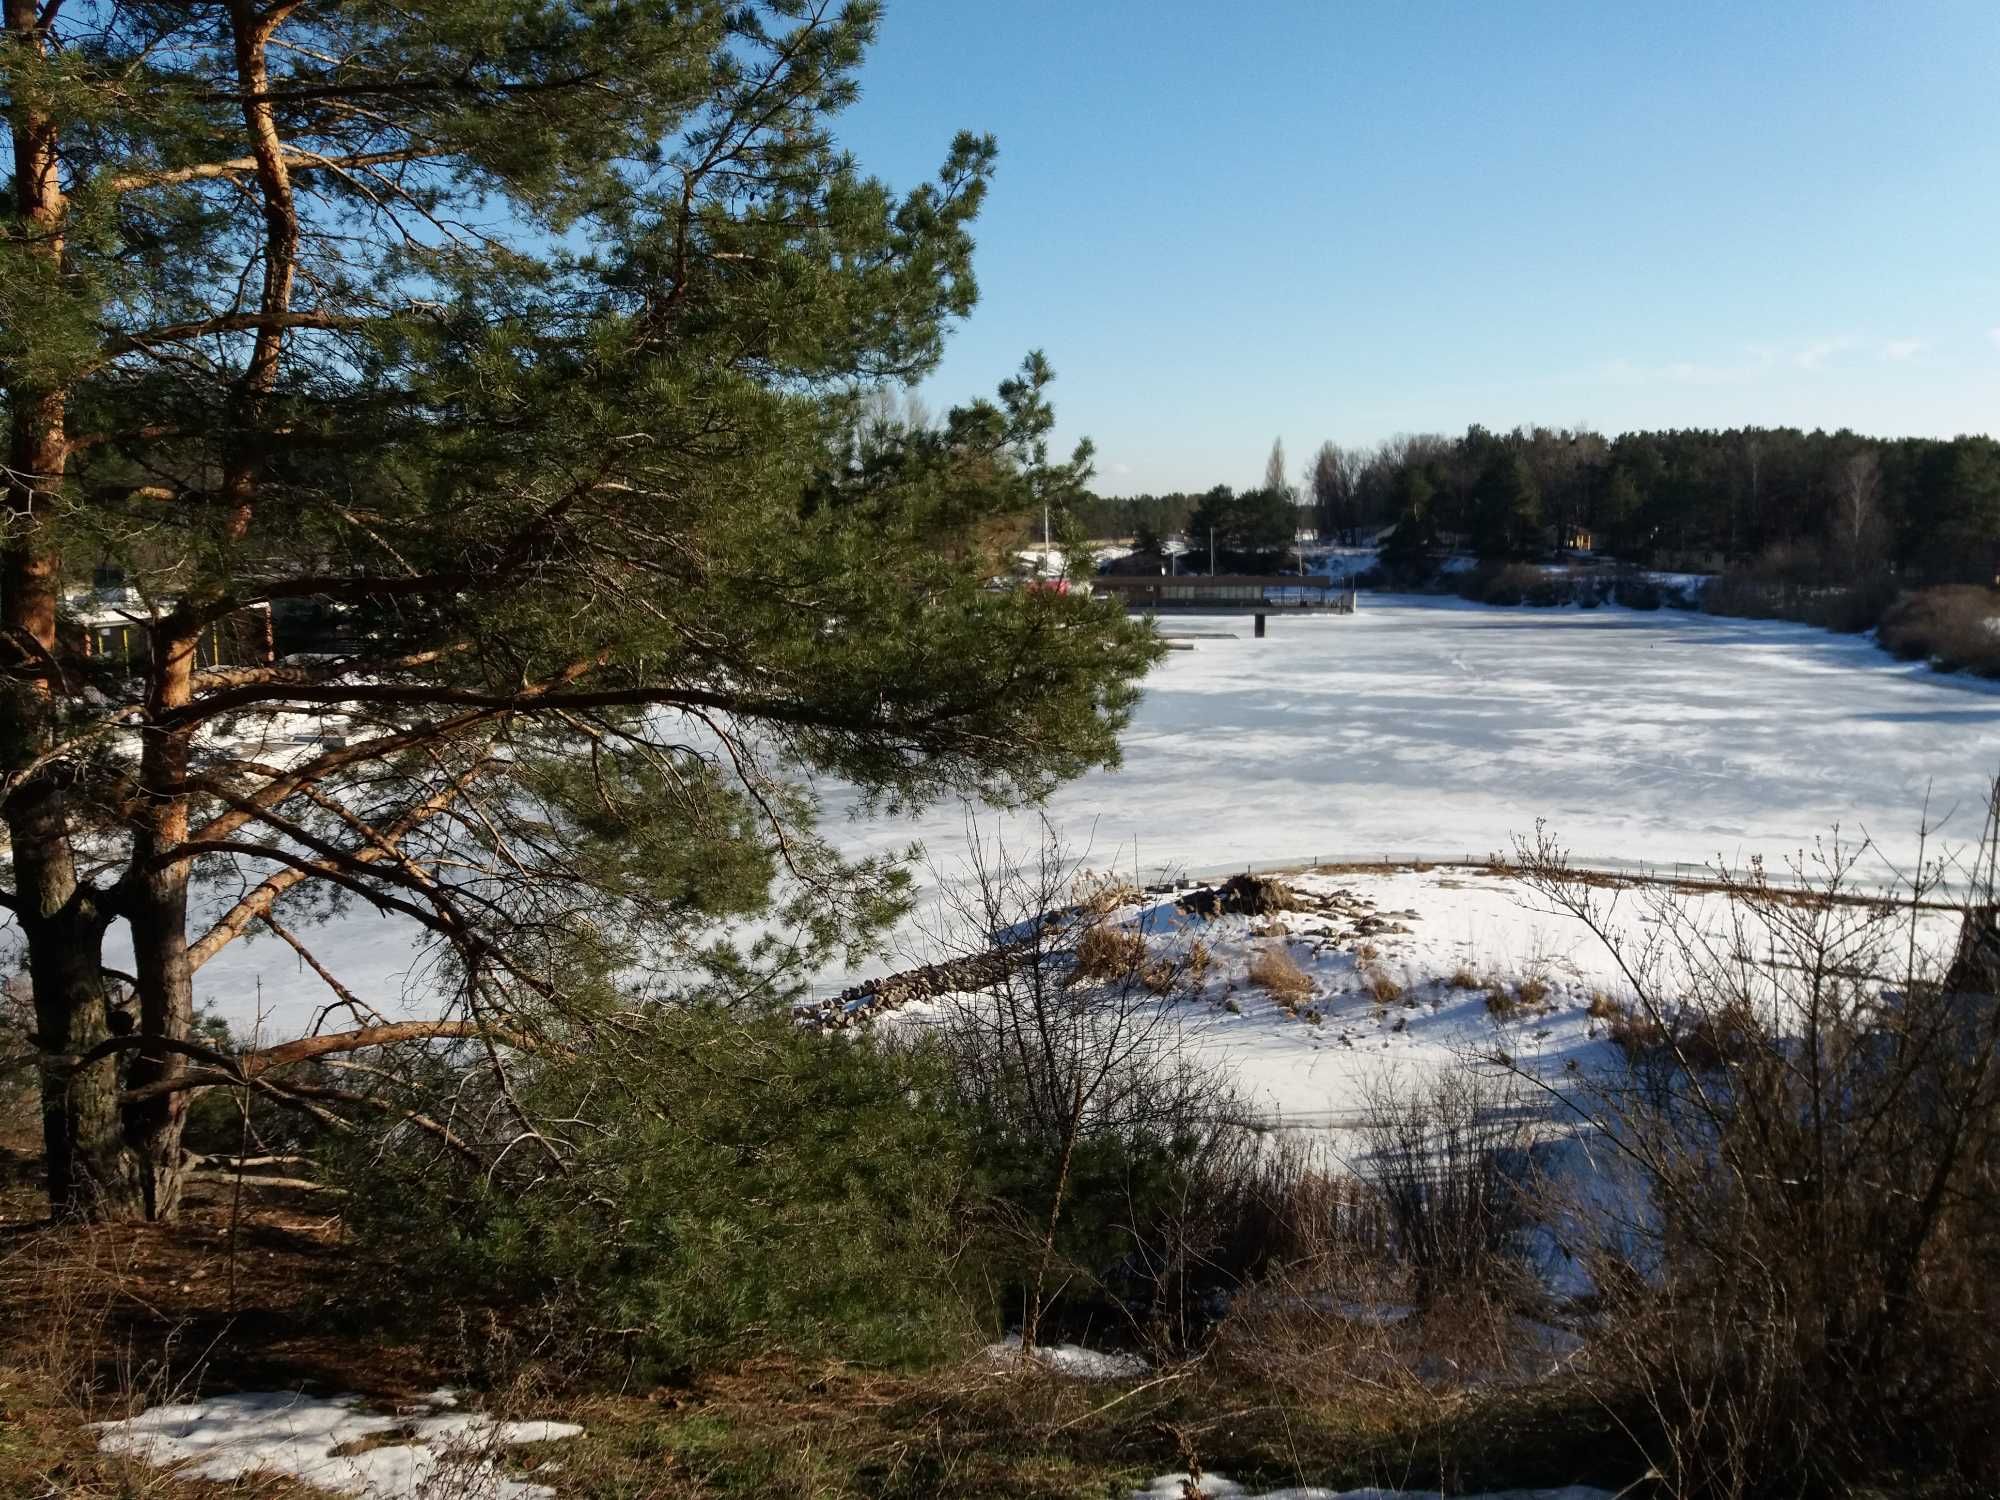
point(1431, 726)
point(319, 1440)
point(1423, 726)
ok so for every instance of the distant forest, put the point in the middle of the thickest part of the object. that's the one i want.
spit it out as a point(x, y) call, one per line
point(1798, 507)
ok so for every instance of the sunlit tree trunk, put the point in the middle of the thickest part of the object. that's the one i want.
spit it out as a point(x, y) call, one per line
point(87, 1166)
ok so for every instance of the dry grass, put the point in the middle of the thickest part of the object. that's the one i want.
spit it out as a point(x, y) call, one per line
point(1462, 978)
point(1635, 1035)
point(1108, 952)
point(1198, 960)
point(1098, 893)
point(1524, 997)
point(94, 1324)
point(1276, 971)
point(1382, 987)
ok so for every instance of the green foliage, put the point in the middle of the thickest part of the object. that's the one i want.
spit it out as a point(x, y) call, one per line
point(1408, 550)
point(1253, 531)
point(741, 1183)
point(607, 551)
point(1924, 510)
point(1127, 1188)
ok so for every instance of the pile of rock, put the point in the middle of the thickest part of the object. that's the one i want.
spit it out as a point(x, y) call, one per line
point(874, 997)
point(1242, 896)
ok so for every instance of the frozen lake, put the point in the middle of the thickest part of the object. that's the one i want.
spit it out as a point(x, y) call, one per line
point(1434, 727)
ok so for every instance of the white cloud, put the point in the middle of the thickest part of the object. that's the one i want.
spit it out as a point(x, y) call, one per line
point(1750, 363)
point(1902, 349)
point(1818, 352)
point(1994, 334)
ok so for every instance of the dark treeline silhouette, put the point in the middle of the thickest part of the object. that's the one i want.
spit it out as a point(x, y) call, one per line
point(1826, 508)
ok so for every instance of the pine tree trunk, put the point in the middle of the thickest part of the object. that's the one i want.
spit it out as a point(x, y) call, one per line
point(158, 910)
point(89, 1171)
point(155, 902)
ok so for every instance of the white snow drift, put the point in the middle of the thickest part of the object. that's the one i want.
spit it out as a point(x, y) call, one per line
point(337, 1444)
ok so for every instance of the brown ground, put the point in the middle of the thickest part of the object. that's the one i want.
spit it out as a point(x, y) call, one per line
point(96, 1324)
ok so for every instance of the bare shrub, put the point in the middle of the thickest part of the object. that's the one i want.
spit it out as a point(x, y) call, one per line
point(1952, 628)
point(1638, 1037)
point(1798, 1292)
point(1444, 1156)
point(1400, 1278)
point(1069, 1066)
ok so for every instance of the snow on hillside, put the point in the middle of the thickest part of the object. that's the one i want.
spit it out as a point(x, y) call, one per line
point(1414, 972)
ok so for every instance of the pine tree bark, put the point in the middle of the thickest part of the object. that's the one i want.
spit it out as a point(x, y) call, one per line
point(155, 897)
point(154, 901)
point(88, 1169)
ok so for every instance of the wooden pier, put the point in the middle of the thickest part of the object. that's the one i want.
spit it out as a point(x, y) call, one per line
point(1230, 594)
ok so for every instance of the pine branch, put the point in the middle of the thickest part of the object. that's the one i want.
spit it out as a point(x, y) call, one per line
point(243, 166)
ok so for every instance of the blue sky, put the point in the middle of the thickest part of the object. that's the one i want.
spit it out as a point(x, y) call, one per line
point(1318, 220)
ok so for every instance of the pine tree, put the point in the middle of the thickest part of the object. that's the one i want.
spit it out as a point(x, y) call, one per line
point(1620, 513)
point(528, 348)
point(1408, 548)
point(1522, 499)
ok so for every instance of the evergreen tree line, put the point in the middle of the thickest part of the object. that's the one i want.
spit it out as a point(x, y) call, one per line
point(1806, 507)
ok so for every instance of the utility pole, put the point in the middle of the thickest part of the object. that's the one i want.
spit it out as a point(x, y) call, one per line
point(1211, 552)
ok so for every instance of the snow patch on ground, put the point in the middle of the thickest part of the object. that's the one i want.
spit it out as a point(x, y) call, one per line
point(1072, 1360)
point(1218, 1487)
point(434, 1451)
